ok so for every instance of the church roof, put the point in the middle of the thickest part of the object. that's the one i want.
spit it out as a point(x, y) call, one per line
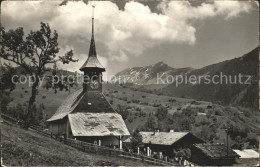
point(90, 114)
point(92, 62)
point(97, 124)
point(68, 105)
point(94, 102)
point(80, 101)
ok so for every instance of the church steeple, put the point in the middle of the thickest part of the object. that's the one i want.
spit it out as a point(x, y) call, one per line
point(92, 49)
point(92, 61)
point(92, 68)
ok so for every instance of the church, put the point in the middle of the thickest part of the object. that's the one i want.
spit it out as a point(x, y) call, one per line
point(85, 114)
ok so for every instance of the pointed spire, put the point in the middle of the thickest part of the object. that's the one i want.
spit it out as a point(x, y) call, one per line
point(92, 49)
point(93, 7)
point(92, 61)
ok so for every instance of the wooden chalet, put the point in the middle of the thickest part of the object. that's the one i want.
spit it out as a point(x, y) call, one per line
point(212, 155)
point(166, 142)
point(85, 114)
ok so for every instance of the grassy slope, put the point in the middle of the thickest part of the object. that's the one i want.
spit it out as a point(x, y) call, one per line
point(143, 97)
point(235, 116)
point(22, 93)
point(54, 100)
point(26, 148)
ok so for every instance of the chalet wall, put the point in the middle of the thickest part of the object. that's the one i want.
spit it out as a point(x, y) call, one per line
point(105, 140)
point(58, 127)
point(198, 157)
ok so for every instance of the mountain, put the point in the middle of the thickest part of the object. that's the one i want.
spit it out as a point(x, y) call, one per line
point(148, 75)
point(227, 93)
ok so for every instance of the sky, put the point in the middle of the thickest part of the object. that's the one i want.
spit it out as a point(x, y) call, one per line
point(134, 34)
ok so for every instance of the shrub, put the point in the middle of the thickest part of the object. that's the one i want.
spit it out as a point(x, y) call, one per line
point(136, 114)
point(111, 101)
point(130, 120)
point(144, 103)
point(135, 101)
point(138, 109)
point(123, 112)
point(156, 105)
point(219, 113)
point(124, 98)
point(161, 113)
point(172, 100)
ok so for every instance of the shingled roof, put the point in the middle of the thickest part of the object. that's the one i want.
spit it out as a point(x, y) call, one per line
point(92, 62)
point(215, 150)
point(79, 101)
point(97, 124)
point(162, 138)
point(68, 105)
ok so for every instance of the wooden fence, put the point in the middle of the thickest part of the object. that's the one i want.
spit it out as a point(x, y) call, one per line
point(92, 148)
point(101, 150)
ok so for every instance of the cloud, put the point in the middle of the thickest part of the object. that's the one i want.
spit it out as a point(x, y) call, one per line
point(123, 33)
point(27, 14)
point(231, 9)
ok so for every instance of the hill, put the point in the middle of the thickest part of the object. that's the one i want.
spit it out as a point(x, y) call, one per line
point(144, 111)
point(26, 148)
point(226, 93)
point(192, 107)
point(137, 107)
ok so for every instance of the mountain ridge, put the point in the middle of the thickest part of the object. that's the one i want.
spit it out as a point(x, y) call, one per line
point(229, 94)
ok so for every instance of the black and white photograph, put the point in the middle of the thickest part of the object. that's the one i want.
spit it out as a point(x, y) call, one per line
point(129, 83)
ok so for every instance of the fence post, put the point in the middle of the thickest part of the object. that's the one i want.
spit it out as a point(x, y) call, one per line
point(148, 152)
point(120, 143)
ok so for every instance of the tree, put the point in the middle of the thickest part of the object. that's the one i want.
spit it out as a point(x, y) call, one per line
point(5, 100)
point(32, 53)
point(137, 140)
point(182, 153)
point(185, 124)
point(122, 111)
point(6, 84)
point(151, 123)
point(161, 113)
